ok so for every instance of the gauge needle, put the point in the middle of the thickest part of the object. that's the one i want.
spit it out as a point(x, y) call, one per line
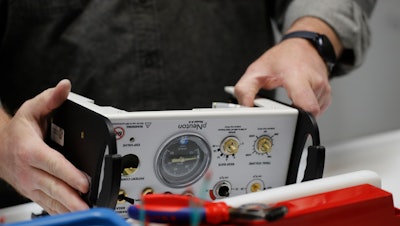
point(182, 159)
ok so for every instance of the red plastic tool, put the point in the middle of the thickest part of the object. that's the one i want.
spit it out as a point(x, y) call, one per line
point(359, 205)
point(364, 205)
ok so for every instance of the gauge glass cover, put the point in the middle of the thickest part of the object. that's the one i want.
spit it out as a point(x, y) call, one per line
point(182, 160)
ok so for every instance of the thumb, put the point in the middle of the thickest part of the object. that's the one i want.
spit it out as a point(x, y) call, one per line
point(50, 99)
point(54, 97)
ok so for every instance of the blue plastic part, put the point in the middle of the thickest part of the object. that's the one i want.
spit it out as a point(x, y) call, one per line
point(182, 216)
point(91, 217)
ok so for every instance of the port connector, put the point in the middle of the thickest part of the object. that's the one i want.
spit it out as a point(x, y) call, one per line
point(130, 164)
point(222, 189)
point(255, 186)
point(147, 191)
point(188, 193)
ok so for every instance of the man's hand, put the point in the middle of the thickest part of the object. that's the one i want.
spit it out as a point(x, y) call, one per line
point(29, 165)
point(294, 65)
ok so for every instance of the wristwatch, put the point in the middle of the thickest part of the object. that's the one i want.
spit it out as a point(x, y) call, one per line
point(320, 42)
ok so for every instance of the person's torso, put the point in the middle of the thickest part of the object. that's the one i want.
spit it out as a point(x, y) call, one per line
point(131, 54)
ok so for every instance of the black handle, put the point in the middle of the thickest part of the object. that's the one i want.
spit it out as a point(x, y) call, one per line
point(306, 127)
point(88, 142)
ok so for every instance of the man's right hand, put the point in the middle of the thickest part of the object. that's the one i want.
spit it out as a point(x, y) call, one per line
point(33, 168)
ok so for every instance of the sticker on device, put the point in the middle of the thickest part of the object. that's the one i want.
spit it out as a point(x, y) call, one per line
point(57, 134)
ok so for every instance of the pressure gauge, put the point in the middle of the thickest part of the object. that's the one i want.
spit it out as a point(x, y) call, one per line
point(182, 160)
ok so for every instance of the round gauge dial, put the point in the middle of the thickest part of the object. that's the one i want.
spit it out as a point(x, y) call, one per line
point(182, 160)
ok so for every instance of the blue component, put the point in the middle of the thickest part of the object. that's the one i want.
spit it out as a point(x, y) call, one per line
point(91, 217)
point(182, 216)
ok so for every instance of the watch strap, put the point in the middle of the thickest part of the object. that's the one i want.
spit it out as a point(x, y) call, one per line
point(320, 42)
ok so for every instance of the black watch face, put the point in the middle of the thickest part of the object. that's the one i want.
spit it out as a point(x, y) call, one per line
point(326, 49)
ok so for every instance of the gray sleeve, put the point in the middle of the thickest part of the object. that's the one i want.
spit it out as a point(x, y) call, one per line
point(349, 19)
